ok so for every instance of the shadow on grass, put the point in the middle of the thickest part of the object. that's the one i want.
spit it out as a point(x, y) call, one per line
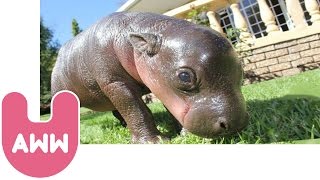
point(285, 119)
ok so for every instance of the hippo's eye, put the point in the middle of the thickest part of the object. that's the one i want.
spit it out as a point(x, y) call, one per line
point(186, 79)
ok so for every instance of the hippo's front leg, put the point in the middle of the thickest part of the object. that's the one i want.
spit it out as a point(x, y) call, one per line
point(126, 99)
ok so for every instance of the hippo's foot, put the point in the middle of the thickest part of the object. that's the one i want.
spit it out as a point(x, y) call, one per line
point(183, 132)
point(150, 139)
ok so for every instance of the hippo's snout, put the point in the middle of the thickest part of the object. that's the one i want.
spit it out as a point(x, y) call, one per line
point(216, 116)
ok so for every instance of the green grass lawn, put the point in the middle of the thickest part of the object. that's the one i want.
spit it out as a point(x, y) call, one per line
point(284, 110)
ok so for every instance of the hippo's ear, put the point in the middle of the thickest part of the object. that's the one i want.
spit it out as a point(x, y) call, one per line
point(145, 43)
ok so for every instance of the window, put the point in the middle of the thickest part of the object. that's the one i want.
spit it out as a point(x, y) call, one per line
point(250, 11)
point(226, 21)
point(282, 18)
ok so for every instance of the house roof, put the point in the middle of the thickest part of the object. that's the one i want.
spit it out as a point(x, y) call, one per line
point(156, 6)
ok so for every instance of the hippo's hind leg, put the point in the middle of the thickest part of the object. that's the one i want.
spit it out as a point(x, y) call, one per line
point(56, 84)
point(119, 117)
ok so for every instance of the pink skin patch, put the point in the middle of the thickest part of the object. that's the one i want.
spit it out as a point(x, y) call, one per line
point(177, 106)
point(40, 149)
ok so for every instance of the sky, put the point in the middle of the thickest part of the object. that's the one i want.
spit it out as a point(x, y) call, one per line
point(58, 14)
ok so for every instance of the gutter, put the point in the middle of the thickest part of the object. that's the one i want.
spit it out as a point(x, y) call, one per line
point(128, 5)
point(186, 7)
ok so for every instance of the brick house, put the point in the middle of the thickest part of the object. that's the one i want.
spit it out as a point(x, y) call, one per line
point(277, 37)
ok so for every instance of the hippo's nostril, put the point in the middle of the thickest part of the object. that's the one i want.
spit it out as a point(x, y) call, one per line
point(223, 125)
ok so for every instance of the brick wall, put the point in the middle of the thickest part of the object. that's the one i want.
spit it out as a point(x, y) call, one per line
point(282, 59)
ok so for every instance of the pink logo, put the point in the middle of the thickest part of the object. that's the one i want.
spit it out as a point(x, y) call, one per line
point(40, 149)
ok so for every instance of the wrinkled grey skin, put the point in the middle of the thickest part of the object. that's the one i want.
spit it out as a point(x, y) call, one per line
point(193, 70)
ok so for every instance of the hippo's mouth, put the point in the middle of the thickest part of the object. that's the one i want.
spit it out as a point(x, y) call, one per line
point(184, 113)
